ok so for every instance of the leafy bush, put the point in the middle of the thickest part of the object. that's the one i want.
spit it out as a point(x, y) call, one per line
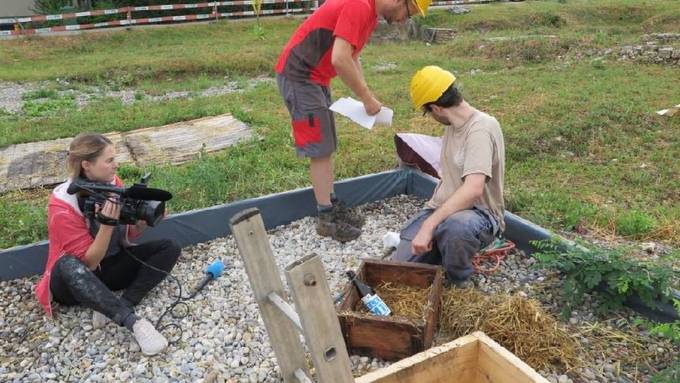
point(609, 273)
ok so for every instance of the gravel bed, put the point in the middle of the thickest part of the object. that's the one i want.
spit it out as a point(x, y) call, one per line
point(11, 94)
point(223, 338)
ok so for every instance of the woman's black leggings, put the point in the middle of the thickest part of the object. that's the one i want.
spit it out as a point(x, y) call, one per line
point(72, 283)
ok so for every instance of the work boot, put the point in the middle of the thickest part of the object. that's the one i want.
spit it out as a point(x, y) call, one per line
point(328, 226)
point(344, 214)
point(150, 340)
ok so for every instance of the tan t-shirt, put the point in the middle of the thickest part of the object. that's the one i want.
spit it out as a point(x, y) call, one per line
point(476, 147)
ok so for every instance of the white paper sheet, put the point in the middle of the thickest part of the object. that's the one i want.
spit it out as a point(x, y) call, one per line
point(670, 111)
point(354, 110)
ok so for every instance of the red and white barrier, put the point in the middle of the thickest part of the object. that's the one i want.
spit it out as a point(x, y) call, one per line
point(461, 2)
point(148, 20)
point(130, 21)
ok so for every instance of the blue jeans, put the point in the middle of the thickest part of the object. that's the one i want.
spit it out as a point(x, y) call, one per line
point(455, 241)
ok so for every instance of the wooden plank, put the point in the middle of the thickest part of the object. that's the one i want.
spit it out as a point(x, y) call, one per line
point(286, 308)
point(455, 361)
point(258, 260)
point(44, 163)
point(434, 301)
point(183, 141)
point(417, 275)
point(312, 296)
point(498, 365)
point(385, 338)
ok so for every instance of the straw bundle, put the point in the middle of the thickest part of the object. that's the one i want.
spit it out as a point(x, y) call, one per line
point(517, 323)
point(405, 301)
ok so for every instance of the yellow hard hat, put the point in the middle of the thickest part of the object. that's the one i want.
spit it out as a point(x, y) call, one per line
point(422, 5)
point(428, 84)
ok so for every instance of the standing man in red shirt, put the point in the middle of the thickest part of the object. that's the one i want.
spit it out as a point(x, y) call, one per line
point(327, 44)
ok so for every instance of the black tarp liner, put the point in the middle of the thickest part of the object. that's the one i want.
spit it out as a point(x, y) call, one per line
point(202, 225)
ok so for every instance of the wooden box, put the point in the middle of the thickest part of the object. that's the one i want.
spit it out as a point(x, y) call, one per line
point(392, 337)
point(474, 358)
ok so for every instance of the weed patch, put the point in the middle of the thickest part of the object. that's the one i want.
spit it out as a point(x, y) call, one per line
point(50, 106)
point(40, 93)
point(634, 224)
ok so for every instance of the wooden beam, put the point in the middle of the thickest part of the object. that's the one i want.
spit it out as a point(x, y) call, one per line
point(455, 361)
point(498, 365)
point(308, 285)
point(258, 260)
point(472, 358)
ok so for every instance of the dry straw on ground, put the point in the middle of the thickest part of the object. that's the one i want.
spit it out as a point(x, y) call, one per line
point(517, 323)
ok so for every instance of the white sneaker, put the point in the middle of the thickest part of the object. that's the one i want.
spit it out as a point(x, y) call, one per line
point(99, 320)
point(149, 339)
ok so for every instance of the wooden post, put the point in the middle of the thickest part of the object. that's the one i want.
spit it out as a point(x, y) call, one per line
point(307, 281)
point(258, 260)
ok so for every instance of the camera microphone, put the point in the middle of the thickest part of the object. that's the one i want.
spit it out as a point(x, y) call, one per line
point(147, 194)
point(80, 184)
point(135, 192)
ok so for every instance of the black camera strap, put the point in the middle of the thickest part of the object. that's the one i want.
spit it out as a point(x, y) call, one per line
point(94, 223)
point(104, 220)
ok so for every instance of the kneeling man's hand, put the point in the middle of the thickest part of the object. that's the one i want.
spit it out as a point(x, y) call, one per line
point(422, 243)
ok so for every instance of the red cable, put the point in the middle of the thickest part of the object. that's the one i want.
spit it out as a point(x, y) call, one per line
point(496, 256)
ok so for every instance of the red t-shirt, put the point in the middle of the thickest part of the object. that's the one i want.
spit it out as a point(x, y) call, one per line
point(307, 56)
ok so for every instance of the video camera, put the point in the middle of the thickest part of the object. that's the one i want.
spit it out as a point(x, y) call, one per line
point(137, 202)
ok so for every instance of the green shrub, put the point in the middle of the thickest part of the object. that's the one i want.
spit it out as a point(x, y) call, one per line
point(608, 273)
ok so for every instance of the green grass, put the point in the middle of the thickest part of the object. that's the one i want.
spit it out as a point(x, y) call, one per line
point(584, 147)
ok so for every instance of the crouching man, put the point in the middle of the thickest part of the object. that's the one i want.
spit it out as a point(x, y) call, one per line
point(465, 212)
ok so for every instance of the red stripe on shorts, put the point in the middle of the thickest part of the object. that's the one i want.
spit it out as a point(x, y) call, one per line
point(307, 131)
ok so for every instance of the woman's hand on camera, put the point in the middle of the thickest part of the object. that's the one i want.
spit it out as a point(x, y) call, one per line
point(110, 210)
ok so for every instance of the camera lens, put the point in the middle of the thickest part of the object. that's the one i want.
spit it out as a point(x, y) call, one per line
point(151, 212)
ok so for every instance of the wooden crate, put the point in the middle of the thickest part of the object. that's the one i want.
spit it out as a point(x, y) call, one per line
point(474, 358)
point(391, 338)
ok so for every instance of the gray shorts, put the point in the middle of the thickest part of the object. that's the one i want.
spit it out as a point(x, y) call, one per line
point(313, 126)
